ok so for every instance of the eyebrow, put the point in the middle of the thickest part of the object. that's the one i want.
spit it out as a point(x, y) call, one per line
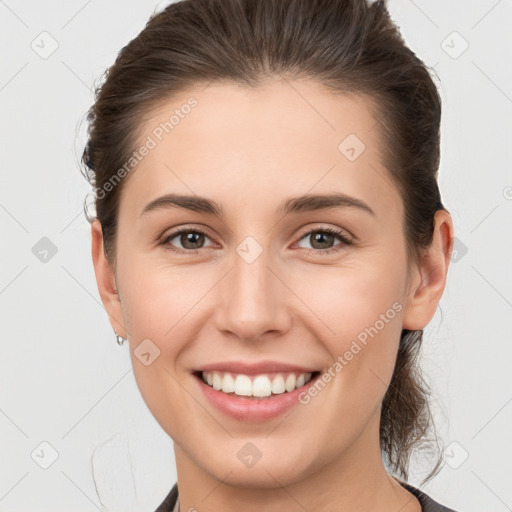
point(306, 203)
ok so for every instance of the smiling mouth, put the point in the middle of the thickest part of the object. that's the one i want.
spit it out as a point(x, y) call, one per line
point(259, 386)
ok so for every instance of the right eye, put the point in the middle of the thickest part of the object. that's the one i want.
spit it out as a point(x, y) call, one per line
point(191, 240)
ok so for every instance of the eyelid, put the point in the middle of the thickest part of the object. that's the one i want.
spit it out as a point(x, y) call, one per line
point(337, 231)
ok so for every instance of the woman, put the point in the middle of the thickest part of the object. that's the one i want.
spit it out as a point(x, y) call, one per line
point(270, 239)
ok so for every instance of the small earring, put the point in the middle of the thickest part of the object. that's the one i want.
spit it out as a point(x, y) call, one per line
point(120, 340)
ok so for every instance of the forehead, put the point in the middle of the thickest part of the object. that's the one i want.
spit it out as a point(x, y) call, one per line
point(283, 138)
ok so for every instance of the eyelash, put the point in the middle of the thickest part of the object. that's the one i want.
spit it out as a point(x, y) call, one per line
point(332, 231)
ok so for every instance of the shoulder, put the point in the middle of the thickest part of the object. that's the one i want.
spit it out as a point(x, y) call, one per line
point(426, 502)
point(170, 500)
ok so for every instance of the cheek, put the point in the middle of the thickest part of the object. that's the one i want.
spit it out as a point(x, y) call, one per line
point(352, 297)
point(358, 318)
point(158, 299)
point(158, 306)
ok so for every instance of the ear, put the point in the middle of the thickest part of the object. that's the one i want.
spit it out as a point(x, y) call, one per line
point(428, 278)
point(105, 279)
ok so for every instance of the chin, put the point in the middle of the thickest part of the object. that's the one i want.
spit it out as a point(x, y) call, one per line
point(269, 472)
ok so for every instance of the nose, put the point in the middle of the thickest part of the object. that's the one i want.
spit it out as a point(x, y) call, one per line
point(253, 301)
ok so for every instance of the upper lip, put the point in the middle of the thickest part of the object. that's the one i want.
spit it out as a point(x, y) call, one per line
point(255, 368)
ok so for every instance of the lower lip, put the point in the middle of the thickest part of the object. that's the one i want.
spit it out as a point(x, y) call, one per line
point(253, 409)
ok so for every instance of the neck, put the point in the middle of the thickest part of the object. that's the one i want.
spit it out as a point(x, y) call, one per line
point(353, 480)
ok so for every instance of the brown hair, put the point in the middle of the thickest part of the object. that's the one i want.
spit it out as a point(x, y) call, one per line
point(350, 46)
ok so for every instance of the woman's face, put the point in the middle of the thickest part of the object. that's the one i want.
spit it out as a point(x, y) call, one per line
point(261, 281)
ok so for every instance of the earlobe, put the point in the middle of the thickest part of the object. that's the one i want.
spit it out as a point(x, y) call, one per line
point(428, 279)
point(105, 280)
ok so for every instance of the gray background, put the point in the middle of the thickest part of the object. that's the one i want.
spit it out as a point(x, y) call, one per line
point(67, 384)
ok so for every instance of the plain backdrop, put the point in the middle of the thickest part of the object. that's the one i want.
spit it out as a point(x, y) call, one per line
point(69, 405)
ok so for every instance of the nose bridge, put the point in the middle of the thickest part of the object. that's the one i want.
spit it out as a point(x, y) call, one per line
point(252, 299)
point(250, 273)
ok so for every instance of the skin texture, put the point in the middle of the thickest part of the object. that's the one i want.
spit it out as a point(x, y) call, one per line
point(249, 150)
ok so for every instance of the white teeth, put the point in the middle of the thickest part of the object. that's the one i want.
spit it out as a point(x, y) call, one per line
point(243, 385)
point(290, 382)
point(217, 381)
point(228, 383)
point(260, 386)
point(278, 385)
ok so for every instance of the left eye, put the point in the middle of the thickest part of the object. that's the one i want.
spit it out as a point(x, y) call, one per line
point(325, 236)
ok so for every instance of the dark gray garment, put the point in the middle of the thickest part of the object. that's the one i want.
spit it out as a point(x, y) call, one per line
point(427, 503)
